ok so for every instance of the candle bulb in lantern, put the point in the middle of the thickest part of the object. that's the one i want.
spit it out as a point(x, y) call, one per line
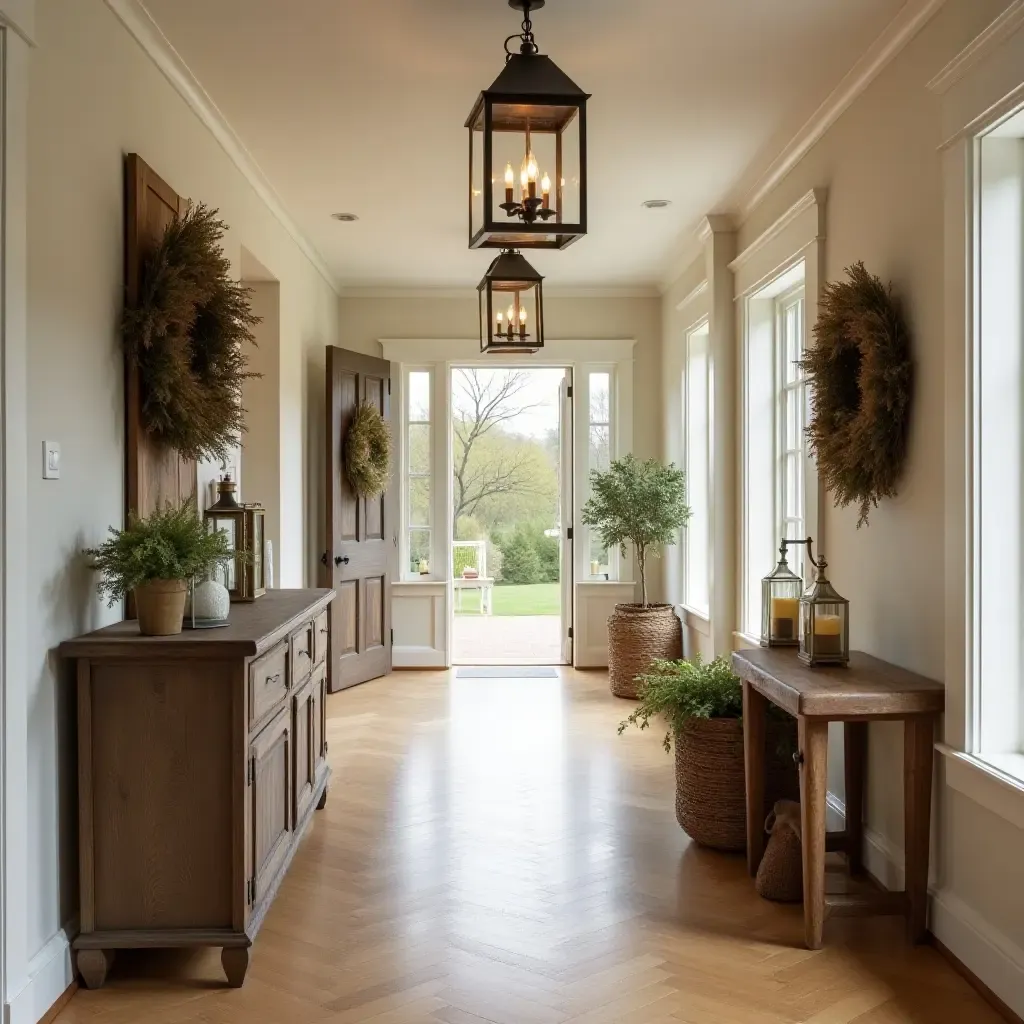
point(510, 182)
point(545, 188)
point(522, 321)
point(828, 634)
point(530, 174)
point(511, 320)
point(785, 611)
point(498, 325)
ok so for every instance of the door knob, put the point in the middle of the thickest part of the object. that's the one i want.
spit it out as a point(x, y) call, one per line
point(339, 560)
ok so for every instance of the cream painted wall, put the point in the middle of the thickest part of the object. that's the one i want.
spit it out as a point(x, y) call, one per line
point(94, 97)
point(885, 206)
point(366, 320)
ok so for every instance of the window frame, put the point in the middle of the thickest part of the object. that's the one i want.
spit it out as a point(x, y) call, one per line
point(585, 373)
point(405, 572)
point(784, 389)
point(702, 328)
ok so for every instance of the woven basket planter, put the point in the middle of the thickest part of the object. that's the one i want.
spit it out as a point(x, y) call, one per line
point(780, 874)
point(710, 784)
point(636, 636)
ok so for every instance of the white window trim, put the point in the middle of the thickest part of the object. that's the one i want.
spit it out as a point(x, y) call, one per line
point(691, 615)
point(981, 87)
point(581, 408)
point(798, 235)
point(781, 387)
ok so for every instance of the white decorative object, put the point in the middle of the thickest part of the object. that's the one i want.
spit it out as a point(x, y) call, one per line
point(268, 561)
point(211, 601)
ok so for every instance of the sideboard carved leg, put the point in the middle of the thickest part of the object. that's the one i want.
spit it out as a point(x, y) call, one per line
point(93, 965)
point(235, 961)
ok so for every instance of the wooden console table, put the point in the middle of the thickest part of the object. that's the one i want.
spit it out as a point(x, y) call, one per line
point(201, 758)
point(867, 690)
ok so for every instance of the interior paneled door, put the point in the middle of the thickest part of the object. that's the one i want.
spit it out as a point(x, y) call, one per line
point(361, 532)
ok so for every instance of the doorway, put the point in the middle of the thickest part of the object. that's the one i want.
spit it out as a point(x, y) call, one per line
point(511, 550)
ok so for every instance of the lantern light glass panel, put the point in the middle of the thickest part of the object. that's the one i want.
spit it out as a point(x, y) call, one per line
point(781, 590)
point(511, 316)
point(243, 526)
point(824, 624)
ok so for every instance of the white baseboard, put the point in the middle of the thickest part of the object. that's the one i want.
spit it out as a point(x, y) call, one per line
point(883, 859)
point(988, 954)
point(50, 972)
point(418, 657)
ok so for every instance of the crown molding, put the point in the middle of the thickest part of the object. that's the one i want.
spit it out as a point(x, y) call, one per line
point(694, 294)
point(911, 18)
point(816, 197)
point(470, 292)
point(980, 47)
point(715, 224)
point(146, 32)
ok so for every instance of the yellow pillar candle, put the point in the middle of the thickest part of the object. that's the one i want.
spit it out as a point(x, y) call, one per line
point(828, 631)
point(784, 612)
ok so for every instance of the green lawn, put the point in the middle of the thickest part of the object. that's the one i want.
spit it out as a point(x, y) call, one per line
point(535, 599)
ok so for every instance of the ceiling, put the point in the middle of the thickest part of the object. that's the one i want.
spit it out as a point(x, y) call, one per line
point(359, 106)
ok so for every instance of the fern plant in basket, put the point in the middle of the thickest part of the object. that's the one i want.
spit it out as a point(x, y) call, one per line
point(642, 504)
point(701, 704)
point(154, 557)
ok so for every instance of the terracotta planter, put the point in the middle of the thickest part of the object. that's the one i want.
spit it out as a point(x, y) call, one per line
point(636, 636)
point(711, 803)
point(160, 605)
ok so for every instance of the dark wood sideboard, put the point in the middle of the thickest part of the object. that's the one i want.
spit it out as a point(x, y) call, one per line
point(201, 758)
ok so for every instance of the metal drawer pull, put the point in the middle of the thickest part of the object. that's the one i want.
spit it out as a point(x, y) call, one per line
point(325, 630)
point(273, 679)
point(304, 654)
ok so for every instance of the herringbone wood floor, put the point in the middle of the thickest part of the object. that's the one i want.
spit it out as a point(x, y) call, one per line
point(492, 851)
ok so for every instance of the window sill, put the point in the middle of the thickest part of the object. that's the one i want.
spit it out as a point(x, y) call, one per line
point(693, 619)
point(996, 783)
point(743, 641)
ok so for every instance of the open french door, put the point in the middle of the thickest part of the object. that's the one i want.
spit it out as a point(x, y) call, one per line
point(565, 518)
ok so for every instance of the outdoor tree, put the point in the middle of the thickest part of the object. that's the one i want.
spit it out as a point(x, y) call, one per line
point(643, 503)
point(490, 465)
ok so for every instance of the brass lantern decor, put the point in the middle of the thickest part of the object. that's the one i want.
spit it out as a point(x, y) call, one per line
point(528, 152)
point(824, 621)
point(511, 306)
point(245, 528)
point(780, 602)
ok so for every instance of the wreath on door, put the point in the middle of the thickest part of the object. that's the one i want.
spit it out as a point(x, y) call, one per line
point(188, 335)
point(368, 452)
point(861, 379)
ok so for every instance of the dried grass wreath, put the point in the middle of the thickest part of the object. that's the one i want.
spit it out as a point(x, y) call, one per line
point(187, 336)
point(861, 378)
point(368, 452)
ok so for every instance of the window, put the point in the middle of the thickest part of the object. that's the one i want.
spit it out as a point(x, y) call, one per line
point(696, 540)
point(999, 463)
point(599, 423)
point(417, 492)
point(775, 484)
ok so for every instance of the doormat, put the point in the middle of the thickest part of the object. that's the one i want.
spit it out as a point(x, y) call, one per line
point(505, 672)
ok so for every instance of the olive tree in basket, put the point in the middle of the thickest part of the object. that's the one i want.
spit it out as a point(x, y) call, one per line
point(642, 504)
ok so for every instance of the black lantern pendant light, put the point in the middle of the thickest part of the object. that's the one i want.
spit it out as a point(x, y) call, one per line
point(528, 152)
point(511, 306)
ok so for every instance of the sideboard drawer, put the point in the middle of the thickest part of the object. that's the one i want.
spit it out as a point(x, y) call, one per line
point(321, 632)
point(302, 652)
point(268, 682)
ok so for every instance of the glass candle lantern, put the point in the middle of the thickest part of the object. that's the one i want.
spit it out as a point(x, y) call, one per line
point(511, 306)
point(244, 526)
point(780, 603)
point(824, 622)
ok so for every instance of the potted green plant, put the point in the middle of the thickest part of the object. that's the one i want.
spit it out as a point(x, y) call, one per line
point(153, 558)
point(643, 504)
point(701, 704)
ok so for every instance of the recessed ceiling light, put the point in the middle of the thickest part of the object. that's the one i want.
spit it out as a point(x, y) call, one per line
point(346, 218)
point(656, 204)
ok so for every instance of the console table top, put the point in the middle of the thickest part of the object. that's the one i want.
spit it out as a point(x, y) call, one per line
point(253, 627)
point(868, 687)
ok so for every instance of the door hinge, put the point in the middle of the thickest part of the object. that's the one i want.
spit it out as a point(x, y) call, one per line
point(570, 632)
point(392, 638)
point(568, 533)
point(568, 391)
point(389, 385)
point(250, 891)
point(251, 775)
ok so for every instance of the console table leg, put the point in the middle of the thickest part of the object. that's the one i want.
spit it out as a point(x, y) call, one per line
point(855, 748)
point(755, 716)
point(918, 738)
point(93, 965)
point(813, 739)
point(235, 961)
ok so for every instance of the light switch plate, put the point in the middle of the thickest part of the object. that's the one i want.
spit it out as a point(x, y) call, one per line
point(51, 460)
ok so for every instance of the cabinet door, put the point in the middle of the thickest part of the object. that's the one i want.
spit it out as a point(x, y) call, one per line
point(320, 720)
point(304, 711)
point(270, 774)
